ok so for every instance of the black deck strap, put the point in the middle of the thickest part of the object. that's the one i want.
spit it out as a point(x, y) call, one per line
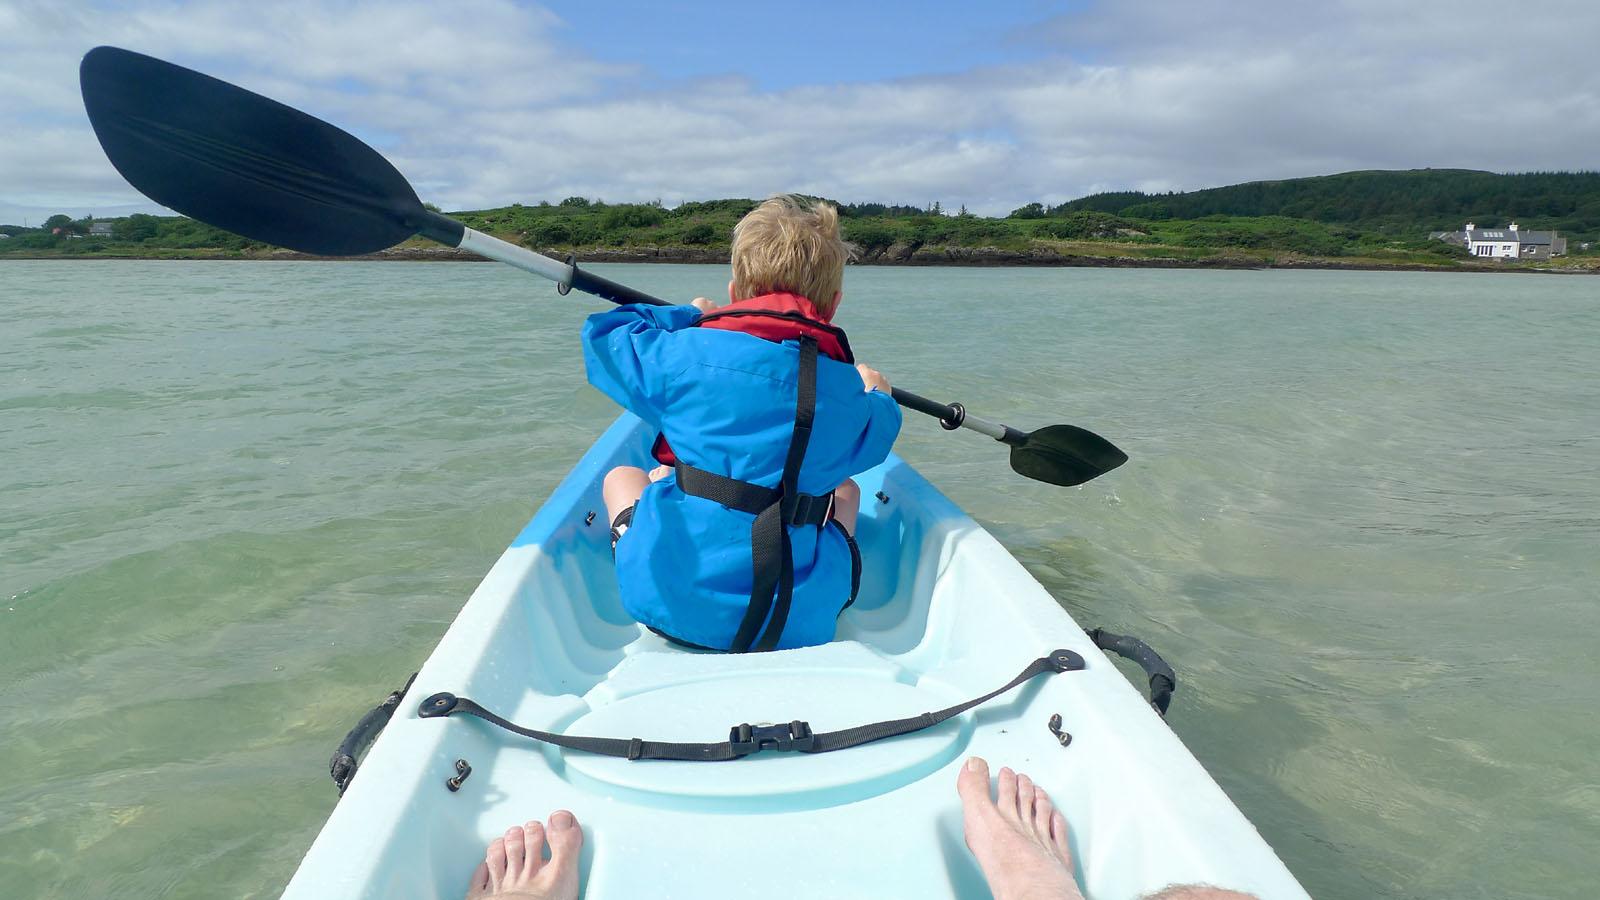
point(747, 739)
point(1163, 681)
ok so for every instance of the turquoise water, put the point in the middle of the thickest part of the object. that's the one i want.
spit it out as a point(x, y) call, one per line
point(241, 502)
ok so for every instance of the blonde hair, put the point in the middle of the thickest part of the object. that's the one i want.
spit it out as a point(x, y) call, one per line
point(790, 244)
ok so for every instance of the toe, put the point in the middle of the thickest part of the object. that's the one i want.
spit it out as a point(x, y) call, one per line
point(566, 840)
point(1025, 797)
point(1059, 838)
point(533, 848)
point(1043, 810)
point(479, 885)
point(1006, 794)
point(973, 784)
point(495, 861)
point(516, 848)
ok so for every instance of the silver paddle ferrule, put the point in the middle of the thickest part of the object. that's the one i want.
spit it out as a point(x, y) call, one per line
point(984, 426)
point(512, 255)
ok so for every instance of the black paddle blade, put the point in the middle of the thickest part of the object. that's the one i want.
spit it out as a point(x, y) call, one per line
point(1066, 455)
point(239, 161)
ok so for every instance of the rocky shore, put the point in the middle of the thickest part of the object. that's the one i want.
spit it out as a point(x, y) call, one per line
point(894, 255)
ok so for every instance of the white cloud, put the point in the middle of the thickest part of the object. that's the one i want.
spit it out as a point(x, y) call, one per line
point(481, 102)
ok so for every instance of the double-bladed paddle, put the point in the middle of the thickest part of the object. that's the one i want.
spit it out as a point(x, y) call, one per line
point(240, 161)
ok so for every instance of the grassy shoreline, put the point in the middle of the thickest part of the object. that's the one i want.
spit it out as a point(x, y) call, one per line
point(1065, 255)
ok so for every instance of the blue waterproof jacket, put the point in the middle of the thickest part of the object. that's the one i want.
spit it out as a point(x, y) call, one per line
point(725, 401)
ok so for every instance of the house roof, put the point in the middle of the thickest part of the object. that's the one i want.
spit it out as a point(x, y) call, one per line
point(1493, 234)
point(1506, 235)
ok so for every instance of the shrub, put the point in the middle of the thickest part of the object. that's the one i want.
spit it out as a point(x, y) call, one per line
point(631, 216)
point(549, 232)
point(869, 236)
point(137, 227)
point(700, 233)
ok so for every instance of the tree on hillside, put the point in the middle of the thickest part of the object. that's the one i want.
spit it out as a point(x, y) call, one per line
point(137, 227)
point(63, 222)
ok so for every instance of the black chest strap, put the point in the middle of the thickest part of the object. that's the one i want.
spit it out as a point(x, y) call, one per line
point(771, 557)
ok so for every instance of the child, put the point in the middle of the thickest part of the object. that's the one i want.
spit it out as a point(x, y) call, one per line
point(743, 538)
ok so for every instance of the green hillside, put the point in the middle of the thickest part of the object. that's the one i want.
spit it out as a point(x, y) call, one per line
point(1393, 202)
point(1359, 219)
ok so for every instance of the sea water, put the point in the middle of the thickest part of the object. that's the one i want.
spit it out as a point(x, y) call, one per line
point(241, 501)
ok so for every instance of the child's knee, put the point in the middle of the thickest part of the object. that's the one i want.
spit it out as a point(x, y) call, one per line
point(622, 476)
point(847, 492)
point(622, 487)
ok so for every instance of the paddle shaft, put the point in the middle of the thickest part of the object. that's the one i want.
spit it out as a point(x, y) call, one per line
point(451, 233)
point(954, 415)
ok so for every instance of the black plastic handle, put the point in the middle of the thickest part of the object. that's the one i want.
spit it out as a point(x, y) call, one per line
point(590, 283)
point(342, 767)
point(941, 411)
point(1163, 681)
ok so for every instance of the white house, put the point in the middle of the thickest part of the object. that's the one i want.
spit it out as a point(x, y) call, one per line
point(1494, 242)
point(1506, 243)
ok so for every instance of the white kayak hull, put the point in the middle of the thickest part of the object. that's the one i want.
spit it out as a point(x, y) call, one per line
point(944, 614)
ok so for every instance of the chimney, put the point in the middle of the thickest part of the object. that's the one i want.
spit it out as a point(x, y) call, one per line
point(1470, 226)
point(1513, 226)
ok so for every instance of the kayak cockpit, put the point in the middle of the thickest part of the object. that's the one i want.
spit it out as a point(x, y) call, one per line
point(944, 614)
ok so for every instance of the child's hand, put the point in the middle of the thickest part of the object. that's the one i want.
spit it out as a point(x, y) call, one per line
point(872, 379)
point(702, 304)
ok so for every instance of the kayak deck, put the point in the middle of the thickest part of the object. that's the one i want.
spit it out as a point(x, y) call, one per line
point(944, 614)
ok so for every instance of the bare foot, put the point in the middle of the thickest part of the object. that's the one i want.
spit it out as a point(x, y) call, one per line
point(1198, 892)
point(1019, 839)
point(515, 867)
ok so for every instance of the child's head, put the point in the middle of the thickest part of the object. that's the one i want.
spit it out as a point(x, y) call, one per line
point(791, 245)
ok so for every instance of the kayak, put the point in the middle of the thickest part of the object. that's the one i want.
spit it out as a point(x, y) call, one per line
point(944, 615)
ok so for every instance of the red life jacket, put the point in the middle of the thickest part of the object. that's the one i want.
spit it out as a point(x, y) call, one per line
point(775, 317)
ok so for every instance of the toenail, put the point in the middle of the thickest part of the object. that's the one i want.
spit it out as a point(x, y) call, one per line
point(974, 764)
point(561, 820)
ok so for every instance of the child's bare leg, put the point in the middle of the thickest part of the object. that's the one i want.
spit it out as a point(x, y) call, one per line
point(622, 489)
point(846, 503)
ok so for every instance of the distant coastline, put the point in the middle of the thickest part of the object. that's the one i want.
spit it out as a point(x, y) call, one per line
point(1104, 256)
point(1409, 221)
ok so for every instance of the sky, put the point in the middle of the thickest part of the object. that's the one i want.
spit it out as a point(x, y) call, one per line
point(487, 102)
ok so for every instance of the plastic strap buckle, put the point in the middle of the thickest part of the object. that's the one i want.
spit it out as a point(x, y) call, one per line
point(811, 509)
point(792, 736)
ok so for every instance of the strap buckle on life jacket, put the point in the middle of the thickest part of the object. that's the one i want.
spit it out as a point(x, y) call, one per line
point(747, 739)
point(811, 509)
